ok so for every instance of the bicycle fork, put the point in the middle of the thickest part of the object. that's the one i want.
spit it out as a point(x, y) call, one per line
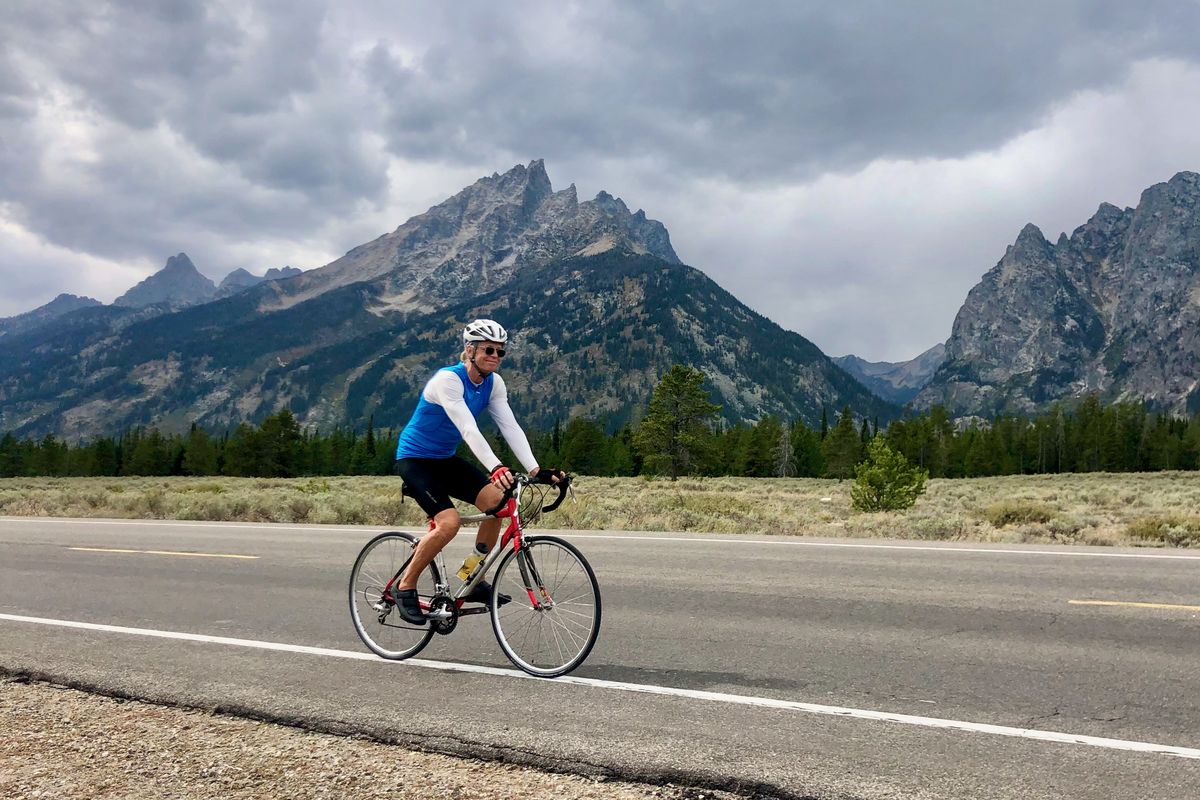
point(529, 574)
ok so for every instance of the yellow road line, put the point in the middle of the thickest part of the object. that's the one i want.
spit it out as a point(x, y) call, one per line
point(1128, 603)
point(157, 552)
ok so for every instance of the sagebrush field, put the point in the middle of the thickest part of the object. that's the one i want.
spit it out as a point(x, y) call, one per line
point(1155, 509)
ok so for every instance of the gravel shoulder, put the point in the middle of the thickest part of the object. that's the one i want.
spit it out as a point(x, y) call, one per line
point(60, 742)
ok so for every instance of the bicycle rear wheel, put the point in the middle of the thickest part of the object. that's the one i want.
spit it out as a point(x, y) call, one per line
point(554, 618)
point(375, 616)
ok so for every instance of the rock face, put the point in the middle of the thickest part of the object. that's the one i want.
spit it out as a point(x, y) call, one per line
point(479, 239)
point(178, 284)
point(1113, 309)
point(895, 382)
point(63, 304)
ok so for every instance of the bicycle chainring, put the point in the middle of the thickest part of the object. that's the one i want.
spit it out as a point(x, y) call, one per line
point(444, 626)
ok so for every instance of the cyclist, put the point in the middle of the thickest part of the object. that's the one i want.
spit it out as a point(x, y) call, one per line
point(445, 416)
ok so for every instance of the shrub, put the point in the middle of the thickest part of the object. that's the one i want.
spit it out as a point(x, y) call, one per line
point(1017, 512)
point(886, 481)
point(1174, 530)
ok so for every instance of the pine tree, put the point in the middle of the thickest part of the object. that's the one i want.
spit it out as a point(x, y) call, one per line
point(676, 431)
point(842, 447)
point(763, 460)
point(807, 458)
point(885, 481)
point(200, 453)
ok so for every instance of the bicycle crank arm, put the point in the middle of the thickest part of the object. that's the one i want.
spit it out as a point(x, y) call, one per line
point(466, 612)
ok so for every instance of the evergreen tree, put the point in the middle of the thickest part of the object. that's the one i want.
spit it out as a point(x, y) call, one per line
point(278, 446)
point(150, 455)
point(808, 460)
point(200, 453)
point(763, 457)
point(676, 430)
point(10, 457)
point(885, 481)
point(842, 448)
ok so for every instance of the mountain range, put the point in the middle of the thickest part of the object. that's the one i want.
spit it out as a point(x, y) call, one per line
point(600, 306)
point(599, 303)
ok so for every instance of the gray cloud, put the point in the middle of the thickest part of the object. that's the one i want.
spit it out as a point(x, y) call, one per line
point(848, 169)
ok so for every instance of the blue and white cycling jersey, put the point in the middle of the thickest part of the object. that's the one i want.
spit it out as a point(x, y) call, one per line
point(446, 415)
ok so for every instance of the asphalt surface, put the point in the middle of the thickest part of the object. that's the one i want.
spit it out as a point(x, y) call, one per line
point(982, 634)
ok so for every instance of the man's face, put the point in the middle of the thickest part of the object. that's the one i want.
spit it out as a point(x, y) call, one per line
point(485, 362)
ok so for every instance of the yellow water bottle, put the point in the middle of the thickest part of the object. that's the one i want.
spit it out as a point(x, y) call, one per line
point(472, 561)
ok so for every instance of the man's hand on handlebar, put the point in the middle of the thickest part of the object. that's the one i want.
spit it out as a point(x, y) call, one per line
point(502, 478)
point(548, 475)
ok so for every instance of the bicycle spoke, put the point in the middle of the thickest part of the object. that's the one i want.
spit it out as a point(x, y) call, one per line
point(566, 630)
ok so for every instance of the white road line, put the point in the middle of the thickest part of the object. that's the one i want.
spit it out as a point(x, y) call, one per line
point(716, 697)
point(734, 539)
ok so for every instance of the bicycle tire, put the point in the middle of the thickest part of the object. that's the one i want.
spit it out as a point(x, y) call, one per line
point(384, 632)
point(563, 633)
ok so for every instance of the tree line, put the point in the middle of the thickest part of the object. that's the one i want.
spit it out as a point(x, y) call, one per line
point(679, 434)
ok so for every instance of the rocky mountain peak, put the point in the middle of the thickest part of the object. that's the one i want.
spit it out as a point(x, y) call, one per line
point(177, 284)
point(1031, 241)
point(1114, 309)
point(280, 273)
point(490, 231)
point(239, 277)
point(180, 265)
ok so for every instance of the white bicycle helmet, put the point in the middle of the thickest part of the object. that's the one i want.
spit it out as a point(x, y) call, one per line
point(484, 330)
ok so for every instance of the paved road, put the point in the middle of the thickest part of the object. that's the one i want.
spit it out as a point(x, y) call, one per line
point(980, 634)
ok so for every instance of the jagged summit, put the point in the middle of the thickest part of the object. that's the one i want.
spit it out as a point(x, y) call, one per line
point(177, 284)
point(483, 235)
point(1113, 309)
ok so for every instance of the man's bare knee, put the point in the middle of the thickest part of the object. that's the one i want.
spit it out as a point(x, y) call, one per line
point(489, 497)
point(447, 523)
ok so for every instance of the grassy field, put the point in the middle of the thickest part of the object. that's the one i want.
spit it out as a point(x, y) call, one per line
point(1151, 509)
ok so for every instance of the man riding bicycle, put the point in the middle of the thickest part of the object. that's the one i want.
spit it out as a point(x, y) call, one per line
point(425, 456)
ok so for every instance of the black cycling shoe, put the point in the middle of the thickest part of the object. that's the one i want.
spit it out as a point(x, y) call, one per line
point(482, 593)
point(409, 606)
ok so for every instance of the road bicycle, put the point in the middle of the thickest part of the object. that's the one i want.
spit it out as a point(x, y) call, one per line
point(547, 627)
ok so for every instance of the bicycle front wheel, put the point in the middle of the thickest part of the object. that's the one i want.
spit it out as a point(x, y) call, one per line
point(553, 620)
point(372, 608)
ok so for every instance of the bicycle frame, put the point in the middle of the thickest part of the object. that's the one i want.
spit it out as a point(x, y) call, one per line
point(513, 535)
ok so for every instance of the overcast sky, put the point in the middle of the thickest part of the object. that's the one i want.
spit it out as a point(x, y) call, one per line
point(848, 169)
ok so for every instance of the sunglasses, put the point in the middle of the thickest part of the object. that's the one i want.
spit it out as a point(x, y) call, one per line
point(495, 351)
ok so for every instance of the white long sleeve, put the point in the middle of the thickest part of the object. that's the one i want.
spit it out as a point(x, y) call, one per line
point(505, 420)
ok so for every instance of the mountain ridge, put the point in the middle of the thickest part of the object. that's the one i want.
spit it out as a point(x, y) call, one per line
point(1113, 310)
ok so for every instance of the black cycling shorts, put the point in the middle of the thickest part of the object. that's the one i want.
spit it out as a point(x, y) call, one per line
point(433, 481)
